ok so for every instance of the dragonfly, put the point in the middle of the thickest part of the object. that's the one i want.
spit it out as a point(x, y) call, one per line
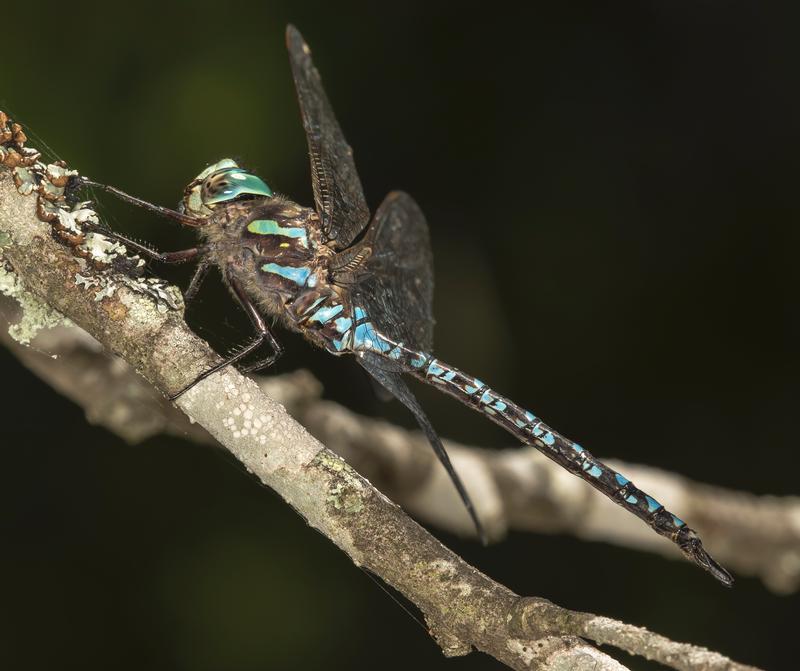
point(357, 285)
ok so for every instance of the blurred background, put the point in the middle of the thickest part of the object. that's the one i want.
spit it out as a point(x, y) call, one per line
point(611, 191)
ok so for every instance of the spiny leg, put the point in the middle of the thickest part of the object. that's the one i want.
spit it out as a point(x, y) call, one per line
point(197, 279)
point(180, 256)
point(266, 362)
point(181, 218)
point(261, 327)
point(264, 335)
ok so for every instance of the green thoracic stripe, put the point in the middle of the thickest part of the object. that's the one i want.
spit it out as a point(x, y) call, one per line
point(271, 227)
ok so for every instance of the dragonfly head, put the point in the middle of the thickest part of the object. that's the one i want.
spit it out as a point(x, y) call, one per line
point(220, 183)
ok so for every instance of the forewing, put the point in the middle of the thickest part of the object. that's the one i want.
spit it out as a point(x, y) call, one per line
point(394, 283)
point(338, 193)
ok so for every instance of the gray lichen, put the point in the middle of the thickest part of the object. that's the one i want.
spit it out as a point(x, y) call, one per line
point(346, 491)
point(36, 315)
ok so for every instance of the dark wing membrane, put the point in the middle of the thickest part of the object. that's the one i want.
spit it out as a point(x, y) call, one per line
point(381, 370)
point(392, 272)
point(338, 193)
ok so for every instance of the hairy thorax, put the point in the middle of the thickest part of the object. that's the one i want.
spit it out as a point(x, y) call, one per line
point(275, 250)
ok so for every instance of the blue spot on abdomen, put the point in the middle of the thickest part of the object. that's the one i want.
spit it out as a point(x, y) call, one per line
point(324, 315)
point(365, 337)
point(343, 324)
point(652, 504)
point(434, 369)
point(418, 361)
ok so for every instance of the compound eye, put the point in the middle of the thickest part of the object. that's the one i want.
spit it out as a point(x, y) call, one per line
point(227, 185)
point(216, 188)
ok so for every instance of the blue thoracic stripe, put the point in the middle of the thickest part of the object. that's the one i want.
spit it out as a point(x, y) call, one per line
point(296, 275)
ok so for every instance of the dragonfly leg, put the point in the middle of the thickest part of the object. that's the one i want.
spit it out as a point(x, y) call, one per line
point(181, 218)
point(264, 335)
point(266, 362)
point(197, 279)
point(180, 256)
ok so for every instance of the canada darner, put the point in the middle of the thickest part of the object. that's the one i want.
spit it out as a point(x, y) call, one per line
point(355, 286)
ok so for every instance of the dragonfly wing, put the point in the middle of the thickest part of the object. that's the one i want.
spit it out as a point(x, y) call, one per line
point(338, 193)
point(392, 381)
point(389, 272)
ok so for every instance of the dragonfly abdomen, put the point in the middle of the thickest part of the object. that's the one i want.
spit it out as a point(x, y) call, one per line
point(530, 430)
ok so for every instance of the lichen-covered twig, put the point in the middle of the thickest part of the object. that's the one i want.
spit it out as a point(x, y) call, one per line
point(464, 608)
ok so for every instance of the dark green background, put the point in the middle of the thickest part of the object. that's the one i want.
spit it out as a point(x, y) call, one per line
point(611, 190)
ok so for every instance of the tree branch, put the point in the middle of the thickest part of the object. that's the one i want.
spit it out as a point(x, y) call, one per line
point(133, 319)
point(519, 488)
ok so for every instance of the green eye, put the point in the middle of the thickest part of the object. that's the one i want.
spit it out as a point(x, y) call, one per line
point(231, 183)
